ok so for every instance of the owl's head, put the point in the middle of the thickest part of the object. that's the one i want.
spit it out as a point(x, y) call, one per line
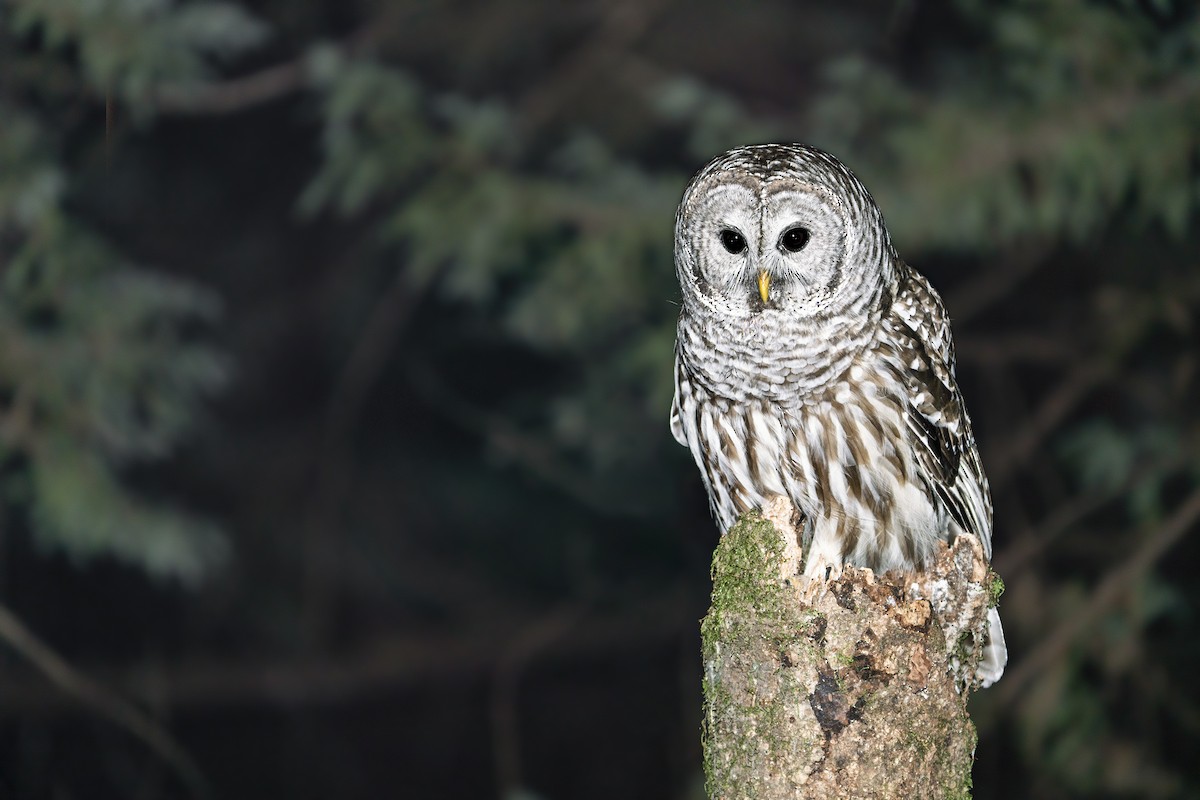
point(780, 229)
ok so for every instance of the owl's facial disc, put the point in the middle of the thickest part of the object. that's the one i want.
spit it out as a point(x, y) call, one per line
point(754, 246)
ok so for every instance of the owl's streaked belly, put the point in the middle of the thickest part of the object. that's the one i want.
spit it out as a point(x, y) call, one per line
point(843, 458)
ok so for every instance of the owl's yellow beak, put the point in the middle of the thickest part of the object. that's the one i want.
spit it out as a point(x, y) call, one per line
point(764, 284)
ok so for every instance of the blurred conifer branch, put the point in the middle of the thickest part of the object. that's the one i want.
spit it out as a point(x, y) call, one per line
point(101, 358)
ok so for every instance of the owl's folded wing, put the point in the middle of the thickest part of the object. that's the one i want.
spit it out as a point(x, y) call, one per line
point(937, 421)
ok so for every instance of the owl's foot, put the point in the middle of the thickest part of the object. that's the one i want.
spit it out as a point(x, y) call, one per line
point(812, 591)
point(819, 572)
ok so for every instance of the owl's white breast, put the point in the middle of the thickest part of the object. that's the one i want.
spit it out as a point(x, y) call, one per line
point(773, 356)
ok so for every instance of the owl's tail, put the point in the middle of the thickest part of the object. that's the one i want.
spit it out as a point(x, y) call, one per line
point(995, 652)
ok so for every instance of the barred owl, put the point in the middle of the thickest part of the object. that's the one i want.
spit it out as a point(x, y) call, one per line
point(812, 363)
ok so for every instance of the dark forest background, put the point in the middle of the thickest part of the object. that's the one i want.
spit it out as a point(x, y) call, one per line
point(335, 361)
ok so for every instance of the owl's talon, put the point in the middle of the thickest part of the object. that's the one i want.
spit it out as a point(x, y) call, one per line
point(817, 575)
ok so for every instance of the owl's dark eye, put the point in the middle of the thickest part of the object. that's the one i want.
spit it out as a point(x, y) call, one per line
point(733, 241)
point(794, 239)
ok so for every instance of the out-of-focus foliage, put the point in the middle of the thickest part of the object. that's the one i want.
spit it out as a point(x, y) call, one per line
point(1055, 117)
point(523, 242)
point(102, 374)
point(129, 48)
point(469, 307)
point(101, 363)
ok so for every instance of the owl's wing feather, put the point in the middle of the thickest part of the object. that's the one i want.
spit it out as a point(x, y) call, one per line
point(937, 419)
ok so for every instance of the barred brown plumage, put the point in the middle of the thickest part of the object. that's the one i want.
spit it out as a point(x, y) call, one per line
point(812, 363)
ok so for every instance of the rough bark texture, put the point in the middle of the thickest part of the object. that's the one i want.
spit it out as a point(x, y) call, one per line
point(854, 695)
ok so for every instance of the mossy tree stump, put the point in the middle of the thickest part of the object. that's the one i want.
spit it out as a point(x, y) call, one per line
point(859, 694)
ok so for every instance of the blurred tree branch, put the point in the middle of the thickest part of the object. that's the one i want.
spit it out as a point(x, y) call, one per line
point(1054, 645)
point(1046, 419)
point(1047, 137)
point(386, 660)
point(519, 652)
point(534, 453)
point(1016, 556)
point(100, 700)
point(233, 95)
point(621, 26)
point(334, 464)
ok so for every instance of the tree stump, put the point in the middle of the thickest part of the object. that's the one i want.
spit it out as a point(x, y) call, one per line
point(860, 694)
